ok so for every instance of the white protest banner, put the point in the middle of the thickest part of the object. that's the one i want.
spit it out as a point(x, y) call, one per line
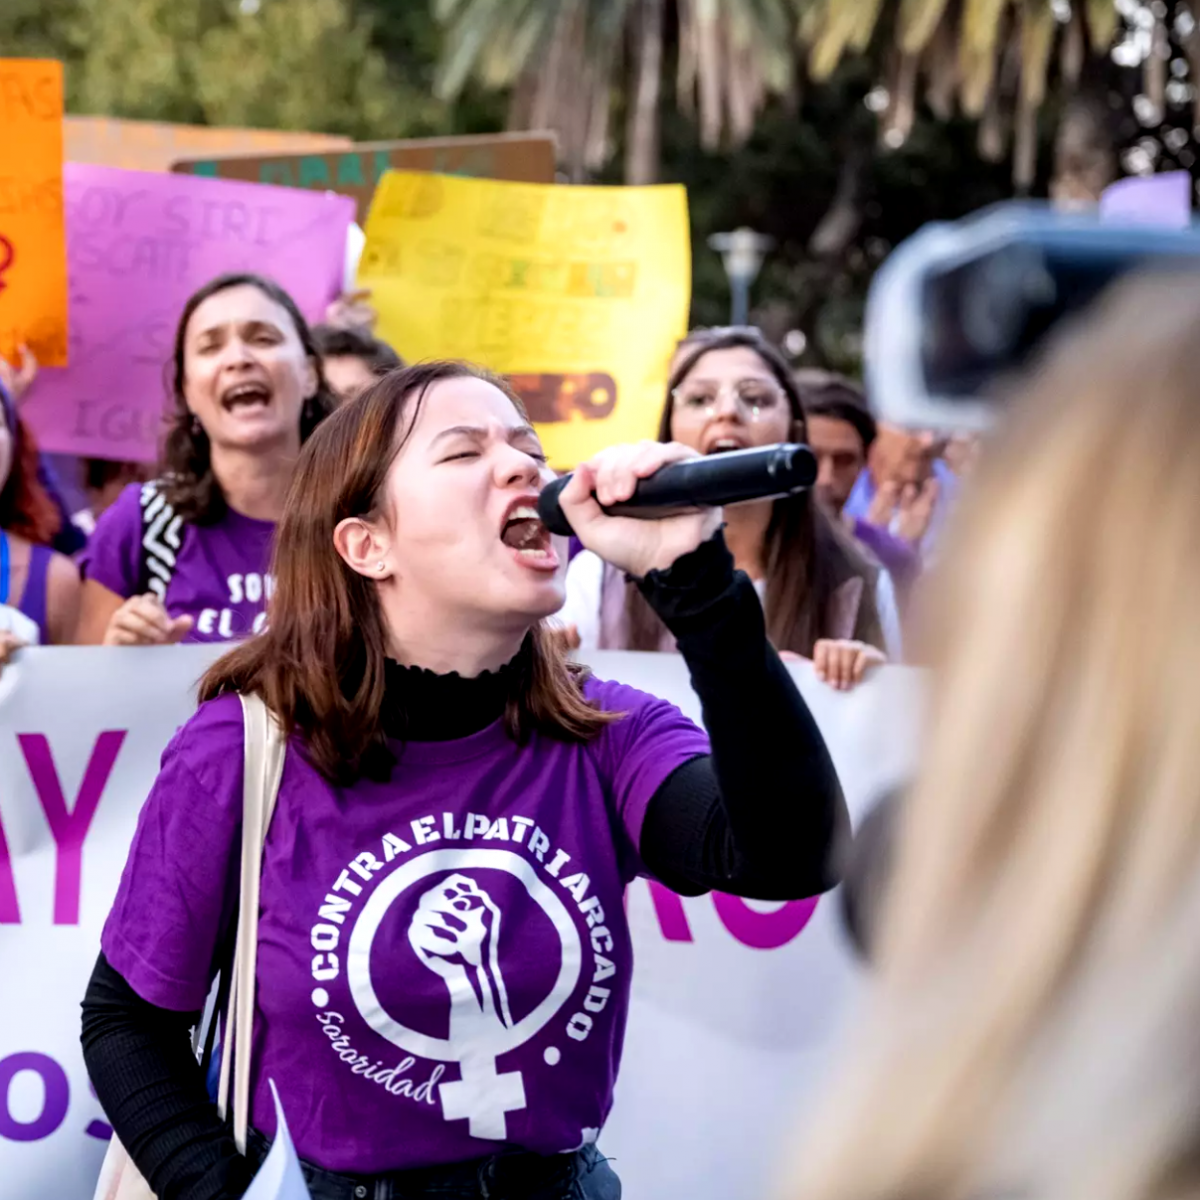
point(736, 1005)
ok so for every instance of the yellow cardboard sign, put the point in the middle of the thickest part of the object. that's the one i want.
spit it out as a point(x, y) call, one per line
point(33, 245)
point(579, 294)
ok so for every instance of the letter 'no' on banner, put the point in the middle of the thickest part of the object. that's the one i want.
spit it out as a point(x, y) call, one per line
point(33, 250)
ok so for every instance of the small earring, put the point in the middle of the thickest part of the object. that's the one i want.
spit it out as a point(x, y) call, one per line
point(381, 566)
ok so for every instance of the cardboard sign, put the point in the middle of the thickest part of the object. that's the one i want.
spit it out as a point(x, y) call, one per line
point(579, 293)
point(523, 157)
point(139, 244)
point(155, 145)
point(33, 254)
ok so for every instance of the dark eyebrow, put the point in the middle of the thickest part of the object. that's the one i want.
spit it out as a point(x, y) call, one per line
point(478, 433)
point(254, 325)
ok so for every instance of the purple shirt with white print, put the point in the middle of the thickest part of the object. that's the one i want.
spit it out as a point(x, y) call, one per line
point(444, 961)
point(219, 572)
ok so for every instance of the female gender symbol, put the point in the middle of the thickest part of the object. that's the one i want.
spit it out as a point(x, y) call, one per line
point(7, 254)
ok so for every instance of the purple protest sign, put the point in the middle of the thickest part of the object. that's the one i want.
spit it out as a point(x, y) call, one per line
point(1164, 199)
point(138, 244)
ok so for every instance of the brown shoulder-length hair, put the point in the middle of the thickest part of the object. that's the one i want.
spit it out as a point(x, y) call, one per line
point(185, 466)
point(26, 505)
point(320, 662)
point(807, 558)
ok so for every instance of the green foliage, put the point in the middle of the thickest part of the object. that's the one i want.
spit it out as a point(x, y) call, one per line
point(281, 64)
point(784, 180)
point(367, 68)
point(136, 58)
point(294, 63)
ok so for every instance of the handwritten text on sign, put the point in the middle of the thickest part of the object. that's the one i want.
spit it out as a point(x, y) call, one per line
point(578, 293)
point(139, 245)
point(33, 258)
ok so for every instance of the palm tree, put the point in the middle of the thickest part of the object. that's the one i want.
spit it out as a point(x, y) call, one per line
point(565, 61)
point(995, 60)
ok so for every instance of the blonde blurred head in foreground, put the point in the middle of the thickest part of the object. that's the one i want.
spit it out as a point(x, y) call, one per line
point(1033, 1026)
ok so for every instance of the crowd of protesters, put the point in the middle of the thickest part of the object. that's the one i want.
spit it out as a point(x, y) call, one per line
point(181, 551)
point(1058, 776)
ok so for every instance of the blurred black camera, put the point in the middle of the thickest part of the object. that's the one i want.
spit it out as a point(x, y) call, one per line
point(960, 305)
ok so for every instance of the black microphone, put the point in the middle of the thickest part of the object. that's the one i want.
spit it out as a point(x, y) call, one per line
point(717, 480)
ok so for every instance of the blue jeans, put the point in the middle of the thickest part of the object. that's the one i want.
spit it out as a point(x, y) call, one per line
point(584, 1175)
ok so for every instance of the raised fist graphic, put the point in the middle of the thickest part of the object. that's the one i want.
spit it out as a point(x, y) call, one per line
point(456, 933)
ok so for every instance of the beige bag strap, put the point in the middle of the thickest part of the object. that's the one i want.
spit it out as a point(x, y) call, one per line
point(265, 748)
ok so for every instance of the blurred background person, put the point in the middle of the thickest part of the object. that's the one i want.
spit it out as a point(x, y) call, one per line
point(17, 379)
point(906, 488)
point(39, 588)
point(187, 558)
point(103, 482)
point(353, 358)
point(841, 431)
point(962, 452)
point(1031, 1028)
point(730, 389)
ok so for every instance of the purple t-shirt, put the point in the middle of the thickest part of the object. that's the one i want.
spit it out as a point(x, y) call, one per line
point(219, 573)
point(443, 959)
point(902, 562)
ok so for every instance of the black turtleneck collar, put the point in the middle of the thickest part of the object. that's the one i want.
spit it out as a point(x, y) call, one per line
point(423, 706)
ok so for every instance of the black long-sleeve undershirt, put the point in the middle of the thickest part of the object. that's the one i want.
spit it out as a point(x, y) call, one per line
point(762, 816)
point(153, 1091)
point(758, 817)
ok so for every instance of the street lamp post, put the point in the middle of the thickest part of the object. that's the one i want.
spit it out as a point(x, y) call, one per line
point(742, 253)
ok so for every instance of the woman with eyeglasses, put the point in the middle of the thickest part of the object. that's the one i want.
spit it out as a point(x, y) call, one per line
point(730, 389)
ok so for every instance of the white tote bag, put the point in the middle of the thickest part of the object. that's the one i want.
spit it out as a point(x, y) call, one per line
point(265, 747)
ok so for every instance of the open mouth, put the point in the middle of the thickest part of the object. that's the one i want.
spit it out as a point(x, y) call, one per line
point(528, 539)
point(724, 446)
point(524, 532)
point(246, 395)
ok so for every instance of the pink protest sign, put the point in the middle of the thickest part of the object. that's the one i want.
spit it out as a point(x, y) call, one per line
point(138, 244)
point(1164, 199)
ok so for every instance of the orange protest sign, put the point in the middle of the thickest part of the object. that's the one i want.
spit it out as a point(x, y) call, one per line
point(33, 248)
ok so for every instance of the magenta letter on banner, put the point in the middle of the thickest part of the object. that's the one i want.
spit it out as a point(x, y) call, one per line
point(668, 908)
point(69, 827)
point(10, 910)
point(763, 931)
point(54, 1107)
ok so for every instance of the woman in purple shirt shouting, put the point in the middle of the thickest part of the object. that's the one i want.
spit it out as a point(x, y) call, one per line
point(444, 961)
point(187, 556)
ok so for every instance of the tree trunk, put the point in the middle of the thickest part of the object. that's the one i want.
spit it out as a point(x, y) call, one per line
point(843, 219)
point(1085, 157)
point(642, 126)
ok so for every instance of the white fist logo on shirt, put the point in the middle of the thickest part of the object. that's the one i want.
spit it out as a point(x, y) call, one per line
point(456, 933)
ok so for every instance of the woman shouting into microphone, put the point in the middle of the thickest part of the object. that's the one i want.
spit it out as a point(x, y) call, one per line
point(444, 962)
